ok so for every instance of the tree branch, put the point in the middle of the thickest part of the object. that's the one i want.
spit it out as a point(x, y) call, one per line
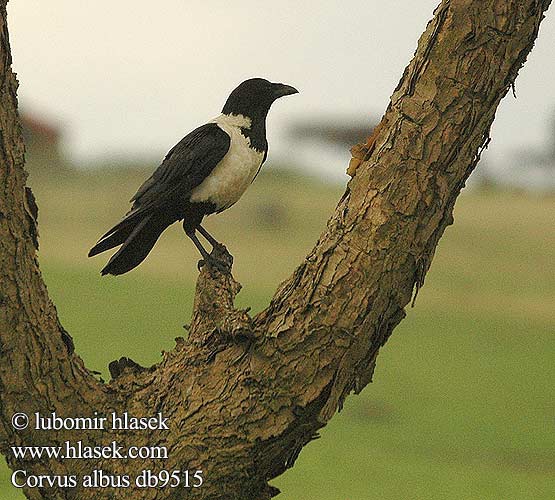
point(244, 395)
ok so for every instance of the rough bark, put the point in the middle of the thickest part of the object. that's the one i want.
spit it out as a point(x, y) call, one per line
point(243, 394)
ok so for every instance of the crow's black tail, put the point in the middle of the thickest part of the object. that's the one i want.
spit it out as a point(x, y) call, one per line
point(136, 237)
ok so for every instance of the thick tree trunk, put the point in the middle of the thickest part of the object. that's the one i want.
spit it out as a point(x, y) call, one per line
point(243, 395)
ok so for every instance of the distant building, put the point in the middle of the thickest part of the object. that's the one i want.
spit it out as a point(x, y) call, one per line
point(322, 145)
point(339, 132)
point(42, 144)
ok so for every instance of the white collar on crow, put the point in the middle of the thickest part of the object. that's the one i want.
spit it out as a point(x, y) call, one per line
point(233, 121)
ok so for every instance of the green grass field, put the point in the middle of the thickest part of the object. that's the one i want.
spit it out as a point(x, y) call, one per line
point(462, 405)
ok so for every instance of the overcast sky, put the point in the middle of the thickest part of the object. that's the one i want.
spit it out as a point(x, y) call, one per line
point(132, 77)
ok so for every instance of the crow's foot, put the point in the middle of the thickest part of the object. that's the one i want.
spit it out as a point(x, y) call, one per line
point(213, 262)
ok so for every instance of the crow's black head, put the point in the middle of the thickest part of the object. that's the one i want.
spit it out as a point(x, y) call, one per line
point(254, 97)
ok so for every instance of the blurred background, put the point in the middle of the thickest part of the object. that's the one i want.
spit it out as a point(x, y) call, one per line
point(462, 405)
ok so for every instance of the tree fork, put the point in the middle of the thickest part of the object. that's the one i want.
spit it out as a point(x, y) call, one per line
point(243, 395)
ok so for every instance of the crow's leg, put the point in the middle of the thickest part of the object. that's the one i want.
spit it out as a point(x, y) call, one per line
point(219, 251)
point(198, 244)
point(203, 252)
point(213, 241)
point(206, 257)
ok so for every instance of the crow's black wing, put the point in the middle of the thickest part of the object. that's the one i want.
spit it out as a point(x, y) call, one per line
point(186, 165)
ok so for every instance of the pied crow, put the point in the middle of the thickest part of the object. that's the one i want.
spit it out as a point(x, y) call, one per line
point(204, 173)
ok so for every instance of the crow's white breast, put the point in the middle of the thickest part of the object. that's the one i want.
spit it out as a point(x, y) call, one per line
point(236, 170)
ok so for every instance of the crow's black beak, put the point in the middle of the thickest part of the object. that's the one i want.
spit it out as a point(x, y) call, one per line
point(281, 90)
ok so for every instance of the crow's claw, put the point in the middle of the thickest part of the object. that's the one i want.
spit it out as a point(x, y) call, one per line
point(214, 263)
